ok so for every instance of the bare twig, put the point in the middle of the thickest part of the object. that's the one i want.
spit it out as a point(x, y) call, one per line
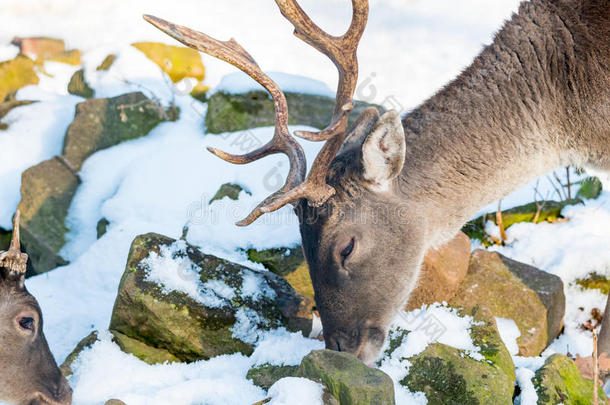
point(500, 223)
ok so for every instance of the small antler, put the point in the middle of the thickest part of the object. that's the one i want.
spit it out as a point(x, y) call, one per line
point(14, 259)
point(342, 52)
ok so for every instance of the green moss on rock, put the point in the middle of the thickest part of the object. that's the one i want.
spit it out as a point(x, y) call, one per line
point(532, 298)
point(559, 382)
point(347, 378)
point(550, 212)
point(590, 188)
point(189, 330)
point(148, 354)
point(78, 86)
point(106, 63)
point(47, 190)
point(87, 342)
point(281, 261)
point(595, 281)
point(233, 112)
point(104, 122)
point(266, 375)
point(228, 190)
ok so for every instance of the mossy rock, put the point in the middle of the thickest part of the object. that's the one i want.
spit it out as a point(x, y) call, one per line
point(187, 329)
point(559, 382)
point(106, 63)
point(147, 354)
point(532, 298)
point(105, 122)
point(347, 378)
point(102, 227)
point(15, 74)
point(449, 376)
point(87, 342)
point(550, 212)
point(234, 112)
point(281, 261)
point(47, 190)
point(78, 85)
point(178, 62)
point(7, 106)
point(266, 375)
point(300, 281)
point(590, 188)
point(595, 281)
point(228, 190)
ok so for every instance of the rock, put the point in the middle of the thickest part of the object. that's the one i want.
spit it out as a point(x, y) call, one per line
point(532, 298)
point(7, 106)
point(347, 378)
point(236, 301)
point(233, 112)
point(78, 86)
point(115, 402)
point(266, 375)
point(300, 281)
point(178, 62)
point(47, 190)
point(229, 190)
point(40, 47)
point(15, 74)
point(144, 352)
point(72, 57)
point(559, 381)
point(550, 212)
point(105, 122)
point(87, 342)
point(549, 289)
point(43, 48)
point(446, 266)
point(281, 261)
point(449, 376)
point(106, 63)
point(102, 227)
point(590, 188)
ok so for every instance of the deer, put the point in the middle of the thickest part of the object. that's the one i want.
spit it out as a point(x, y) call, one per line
point(383, 192)
point(30, 375)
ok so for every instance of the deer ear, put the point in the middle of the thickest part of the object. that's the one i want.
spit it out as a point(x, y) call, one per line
point(383, 151)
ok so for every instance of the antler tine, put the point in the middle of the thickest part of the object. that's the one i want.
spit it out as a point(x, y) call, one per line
point(14, 259)
point(232, 52)
point(342, 51)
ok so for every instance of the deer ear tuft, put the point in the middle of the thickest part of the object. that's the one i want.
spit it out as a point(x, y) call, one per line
point(384, 150)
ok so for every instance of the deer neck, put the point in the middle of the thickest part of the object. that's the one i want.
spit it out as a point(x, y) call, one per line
point(510, 117)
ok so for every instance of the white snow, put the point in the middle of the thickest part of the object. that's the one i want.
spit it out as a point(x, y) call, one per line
point(164, 181)
point(240, 82)
point(294, 390)
point(509, 332)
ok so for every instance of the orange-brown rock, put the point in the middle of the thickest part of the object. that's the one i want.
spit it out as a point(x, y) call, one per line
point(443, 270)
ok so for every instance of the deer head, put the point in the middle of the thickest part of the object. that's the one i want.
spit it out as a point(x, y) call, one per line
point(29, 372)
point(351, 185)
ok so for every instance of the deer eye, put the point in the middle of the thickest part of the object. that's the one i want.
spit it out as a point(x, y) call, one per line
point(26, 323)
point(347, 250)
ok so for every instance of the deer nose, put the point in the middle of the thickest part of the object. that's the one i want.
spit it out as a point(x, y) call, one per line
point(60, 394)
point(343, 341)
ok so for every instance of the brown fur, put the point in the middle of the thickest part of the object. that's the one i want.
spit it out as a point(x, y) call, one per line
point(537, 98)
point(29, 374)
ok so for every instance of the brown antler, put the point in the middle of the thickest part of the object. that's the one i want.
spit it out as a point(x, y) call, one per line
point(342, 51)
point(14, 260)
